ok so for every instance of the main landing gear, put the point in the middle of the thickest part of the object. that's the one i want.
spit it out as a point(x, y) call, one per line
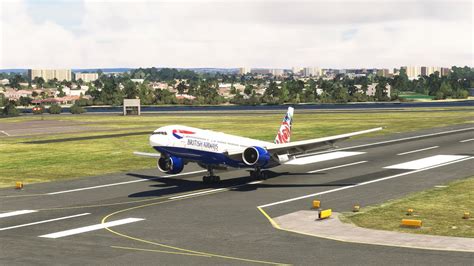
point(259, 174)
point(211, 178)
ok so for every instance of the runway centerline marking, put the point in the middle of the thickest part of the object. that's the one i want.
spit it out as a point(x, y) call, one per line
point(426, 162)
point(322, 157)
point(466, 140)
point(398, 140)
point(335, 167)
point(14, 213)
point(413, 151)
point(91, 228)
point(360, 184)
point(44, 221)
point(121, 183)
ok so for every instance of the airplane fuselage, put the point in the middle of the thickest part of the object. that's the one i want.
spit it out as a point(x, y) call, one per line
point(203, 146)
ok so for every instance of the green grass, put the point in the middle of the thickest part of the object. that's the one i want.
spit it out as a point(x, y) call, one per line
point(33, 163)
point(414, 95)
point(440, 209)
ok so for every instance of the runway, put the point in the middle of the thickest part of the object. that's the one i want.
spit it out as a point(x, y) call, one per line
point(142, 217)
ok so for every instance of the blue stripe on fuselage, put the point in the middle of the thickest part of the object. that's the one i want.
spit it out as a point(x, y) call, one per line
point(205, 157)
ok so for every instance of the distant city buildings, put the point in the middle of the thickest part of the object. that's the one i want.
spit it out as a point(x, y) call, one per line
point(47, 74)
point(86, 77)
point(383, 72)
point(312, 72)
point(297, 70)
point(244, 70)
point(277, 72)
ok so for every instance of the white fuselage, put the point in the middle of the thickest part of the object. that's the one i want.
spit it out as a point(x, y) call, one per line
point(188, 142)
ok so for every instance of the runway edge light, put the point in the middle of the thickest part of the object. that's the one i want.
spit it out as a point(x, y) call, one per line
point(19, 185)
point(410, 212)
point(411, 223)
point(316, 204)
point(466, 215)
point(323, 214)
point(356, 208)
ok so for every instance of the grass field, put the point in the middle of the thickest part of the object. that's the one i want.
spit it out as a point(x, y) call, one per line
point(30, 163)
point(440, 209)
point(414, 95)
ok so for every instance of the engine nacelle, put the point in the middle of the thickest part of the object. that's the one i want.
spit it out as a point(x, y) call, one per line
point(170, 165)
point(255, 155)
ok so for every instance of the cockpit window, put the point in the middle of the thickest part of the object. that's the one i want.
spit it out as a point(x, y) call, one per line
point(160, 133)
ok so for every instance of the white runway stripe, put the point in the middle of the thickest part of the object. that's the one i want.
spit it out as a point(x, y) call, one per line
point(91, 228)
point(335, 167)
point(121, 183)
point(466, 140)
point(323, 157)
point(42, 222)
point(8, 214)
point(425, 149)
point(426, 162)
point(360, 184)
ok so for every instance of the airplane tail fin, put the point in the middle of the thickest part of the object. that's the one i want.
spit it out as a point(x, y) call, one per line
point(284, 133)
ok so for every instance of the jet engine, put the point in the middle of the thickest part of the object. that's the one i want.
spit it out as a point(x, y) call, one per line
point(170, 165)
point(256, 156)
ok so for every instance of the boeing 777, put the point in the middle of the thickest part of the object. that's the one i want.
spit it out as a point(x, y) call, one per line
point(178, 145)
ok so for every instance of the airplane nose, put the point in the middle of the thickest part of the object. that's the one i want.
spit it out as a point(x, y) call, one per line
point(154, 140)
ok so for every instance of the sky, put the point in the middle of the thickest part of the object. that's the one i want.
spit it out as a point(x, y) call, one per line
point(229, 34)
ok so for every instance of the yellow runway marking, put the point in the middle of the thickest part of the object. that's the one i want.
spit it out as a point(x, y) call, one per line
point(161, 251)
point(173, 247)
point(274, 224)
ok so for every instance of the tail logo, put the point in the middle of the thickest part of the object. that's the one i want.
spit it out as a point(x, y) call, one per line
point(284, 133)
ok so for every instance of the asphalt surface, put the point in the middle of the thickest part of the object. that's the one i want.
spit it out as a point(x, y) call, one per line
point(221, 224)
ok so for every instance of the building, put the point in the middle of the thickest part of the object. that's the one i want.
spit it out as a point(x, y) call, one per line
point(383, 72)
point(244, 70)
point(412, 71)
point(260, 71)
point(312, 72)
point(86, 77)
point(15, 95)
point(426, 71)
point(277, 72)
point(47, 74)
point(445, 71)
point(371, 88)
point(297, 70)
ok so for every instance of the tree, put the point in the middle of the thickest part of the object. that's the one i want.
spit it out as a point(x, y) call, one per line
point(181, 87)
point(130, 90)
point(39, 81)
point(249, 89)
point(10, 109)
point(380, 91)
point(25, 101)
point(54, 109)
point(15, 81)
point(76, 109)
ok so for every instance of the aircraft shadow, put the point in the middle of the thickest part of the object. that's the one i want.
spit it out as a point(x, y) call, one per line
point(171, 185)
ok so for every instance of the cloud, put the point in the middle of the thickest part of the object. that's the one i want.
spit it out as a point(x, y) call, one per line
point(337, 34)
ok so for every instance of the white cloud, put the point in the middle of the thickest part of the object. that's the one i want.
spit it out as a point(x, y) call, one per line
point(231, 34)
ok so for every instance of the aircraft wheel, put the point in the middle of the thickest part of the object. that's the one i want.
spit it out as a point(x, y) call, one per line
point(264, 175)
point(216, 179)
point(206, 179)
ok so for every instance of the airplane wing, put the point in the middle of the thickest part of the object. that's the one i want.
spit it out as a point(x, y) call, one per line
point(303, 146)
point(147, 154)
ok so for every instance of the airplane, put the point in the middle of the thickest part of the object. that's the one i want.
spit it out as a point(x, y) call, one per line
point(178, 145)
